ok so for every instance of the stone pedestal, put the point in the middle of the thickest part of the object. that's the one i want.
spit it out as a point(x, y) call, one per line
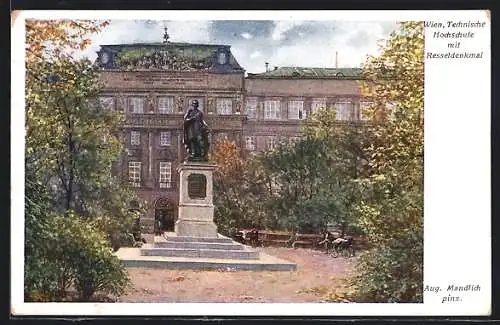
point(196, 208)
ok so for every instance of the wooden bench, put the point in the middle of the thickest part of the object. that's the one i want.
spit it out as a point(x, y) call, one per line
point(274, 238)
point(306, 240)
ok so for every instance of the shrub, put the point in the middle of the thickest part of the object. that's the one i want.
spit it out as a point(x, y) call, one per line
point(121, 232)
point(78, 254)
point(391, 274)
point(98, 270)
point(392, 271)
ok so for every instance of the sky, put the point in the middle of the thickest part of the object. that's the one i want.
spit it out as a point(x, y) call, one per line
point(254, 42)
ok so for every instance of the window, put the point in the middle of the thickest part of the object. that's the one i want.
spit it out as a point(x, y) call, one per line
point(165, 138)
point(296, 110)
point(317, 104)
point(166, 105)
point(251, 109)
point(272, 110)
point(343, 110)
point(224, 106)
point(221, 137)
point(135, 138)
point(107, 102)
point(363, 105)
point(165, 178)
point(271, 142)
point(250, 143)
point(136, 105)
point(134, 173)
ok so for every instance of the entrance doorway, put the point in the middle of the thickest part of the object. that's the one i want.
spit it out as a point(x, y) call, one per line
point(164, 212)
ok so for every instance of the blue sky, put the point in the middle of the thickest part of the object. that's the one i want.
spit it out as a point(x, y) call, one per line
point(254, 42)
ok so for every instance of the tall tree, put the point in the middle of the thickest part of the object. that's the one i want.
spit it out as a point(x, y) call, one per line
point(71, 139)
point(240, 192)
point(316, 174)
point(70, 145)
point(49, 39)
point(391, 211)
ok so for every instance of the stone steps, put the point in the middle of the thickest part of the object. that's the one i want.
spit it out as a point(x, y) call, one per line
point(131, 257)
point(178, 252)
point(201, 253)
point(198, 245)
point(195, 239)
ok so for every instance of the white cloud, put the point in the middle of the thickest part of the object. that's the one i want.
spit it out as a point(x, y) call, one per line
point(130, 31)
point(247, 35)
point(256, 54)
point(315, 46)
point(282, 26)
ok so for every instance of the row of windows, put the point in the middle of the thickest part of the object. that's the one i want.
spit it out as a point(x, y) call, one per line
point(272, 108)
point(165, 104)
point(164, 175)
point(250, 141)
point(165, 138)
point(271, 141)
point(297, 111)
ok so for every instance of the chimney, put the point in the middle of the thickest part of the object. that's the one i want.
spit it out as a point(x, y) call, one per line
point(336, 59)
point(267, 66)
point(166, 37)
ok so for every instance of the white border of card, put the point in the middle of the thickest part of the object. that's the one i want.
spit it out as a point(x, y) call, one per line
point(457, 173)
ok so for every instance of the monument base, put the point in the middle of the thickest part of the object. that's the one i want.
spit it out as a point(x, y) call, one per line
point(196, 208)
point(190, 228)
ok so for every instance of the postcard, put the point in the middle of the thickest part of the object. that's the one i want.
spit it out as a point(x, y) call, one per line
point(296, 163)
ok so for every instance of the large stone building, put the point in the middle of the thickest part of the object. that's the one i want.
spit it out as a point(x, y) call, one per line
point(153, 84)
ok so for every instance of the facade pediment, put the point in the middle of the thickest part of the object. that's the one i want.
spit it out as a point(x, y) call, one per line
point(168, 57)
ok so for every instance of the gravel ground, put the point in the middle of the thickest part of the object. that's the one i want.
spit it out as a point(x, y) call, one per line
point(316, 276)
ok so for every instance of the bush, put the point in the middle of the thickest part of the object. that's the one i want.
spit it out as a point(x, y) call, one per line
point(392, 271)
point(99, 271)
point(77, 255)
point(391, 274)
point(121, 232)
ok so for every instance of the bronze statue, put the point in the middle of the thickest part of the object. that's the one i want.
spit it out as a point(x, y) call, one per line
point(196, 134)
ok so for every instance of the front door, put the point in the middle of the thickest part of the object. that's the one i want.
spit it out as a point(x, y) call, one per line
point(166, 216)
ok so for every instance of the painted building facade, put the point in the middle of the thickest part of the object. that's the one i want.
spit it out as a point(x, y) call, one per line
point(153, 84)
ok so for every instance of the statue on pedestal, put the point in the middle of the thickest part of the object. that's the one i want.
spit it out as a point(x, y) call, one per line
point(196, 134)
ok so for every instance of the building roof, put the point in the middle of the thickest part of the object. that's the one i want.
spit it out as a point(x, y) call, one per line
point(202, 56)
point(308, 73)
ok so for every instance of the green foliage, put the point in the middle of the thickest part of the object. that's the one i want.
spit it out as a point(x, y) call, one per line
point(71, 145)
point(391, 209)
point(78, 255)
point(188, 55)
point(300, 186)
point(316, 175)
point(240, 193)
point(298, 180)
point(68, 137)
point(40, 277)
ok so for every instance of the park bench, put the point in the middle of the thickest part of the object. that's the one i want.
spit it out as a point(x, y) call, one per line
point(274, 238)
point(306, 240)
